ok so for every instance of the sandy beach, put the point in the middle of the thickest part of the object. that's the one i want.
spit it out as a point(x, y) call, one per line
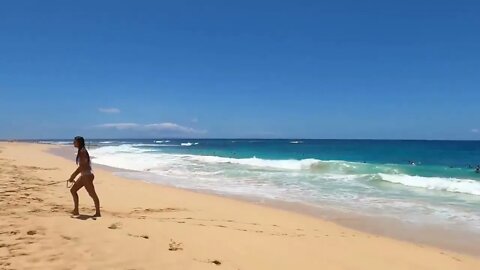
point(148, 226)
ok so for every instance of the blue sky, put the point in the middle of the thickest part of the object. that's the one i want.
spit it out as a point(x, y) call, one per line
point(265, 69)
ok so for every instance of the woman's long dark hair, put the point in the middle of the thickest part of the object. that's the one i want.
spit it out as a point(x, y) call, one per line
point(81, 145)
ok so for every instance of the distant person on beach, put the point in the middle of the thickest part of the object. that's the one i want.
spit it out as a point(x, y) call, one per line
point(86, 176)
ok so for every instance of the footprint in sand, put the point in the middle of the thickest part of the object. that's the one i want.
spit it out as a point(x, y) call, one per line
point(4, 264)
point(58, 208)
point(144, 236)
point(174, 246)
point(115, 226)
point(39, 168)
point(216, 262)
point(158, 210)
point(69, 238)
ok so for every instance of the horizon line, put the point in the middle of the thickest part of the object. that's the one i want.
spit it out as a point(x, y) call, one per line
point(233, 138)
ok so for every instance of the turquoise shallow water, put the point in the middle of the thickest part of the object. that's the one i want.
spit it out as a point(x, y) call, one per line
point(424, 182)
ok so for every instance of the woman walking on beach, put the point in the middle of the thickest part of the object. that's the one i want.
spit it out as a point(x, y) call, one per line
point(86, 176)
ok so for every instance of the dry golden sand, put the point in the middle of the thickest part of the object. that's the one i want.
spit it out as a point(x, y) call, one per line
point(146, 226)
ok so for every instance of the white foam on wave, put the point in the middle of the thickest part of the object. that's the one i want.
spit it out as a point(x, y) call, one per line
point(296, 142)
point(124, 157)
point(144, 145)
point(189, 144)
point(162, 141)
point(466, 186)
point(143, 159)
point(113, 152)
point(116, 149)
point(167, 145)
point(56, 142)
point(285, 164)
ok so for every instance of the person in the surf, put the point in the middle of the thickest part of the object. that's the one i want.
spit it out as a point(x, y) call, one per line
point(86, 177)
point(477, 170)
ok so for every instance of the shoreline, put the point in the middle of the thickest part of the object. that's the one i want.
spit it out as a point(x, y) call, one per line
point(150, 226)
point(419, 234)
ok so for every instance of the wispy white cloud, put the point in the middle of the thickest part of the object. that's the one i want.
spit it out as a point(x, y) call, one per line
point(170, 127)
point(475, 130)
point(109, 110)
point(159, 127)
point(119, 126)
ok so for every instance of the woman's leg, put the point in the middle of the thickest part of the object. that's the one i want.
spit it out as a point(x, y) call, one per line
point(91, 191)
point(78, 185)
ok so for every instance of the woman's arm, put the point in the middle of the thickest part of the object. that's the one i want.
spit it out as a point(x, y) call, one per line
point(74, 174)
point(82, 165)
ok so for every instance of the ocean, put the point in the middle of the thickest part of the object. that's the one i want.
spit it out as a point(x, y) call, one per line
point(416, 182)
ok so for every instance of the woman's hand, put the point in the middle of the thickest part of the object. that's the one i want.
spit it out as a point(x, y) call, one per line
point(72, 179)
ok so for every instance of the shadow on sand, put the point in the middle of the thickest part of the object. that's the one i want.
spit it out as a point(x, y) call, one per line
point(84, 217)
